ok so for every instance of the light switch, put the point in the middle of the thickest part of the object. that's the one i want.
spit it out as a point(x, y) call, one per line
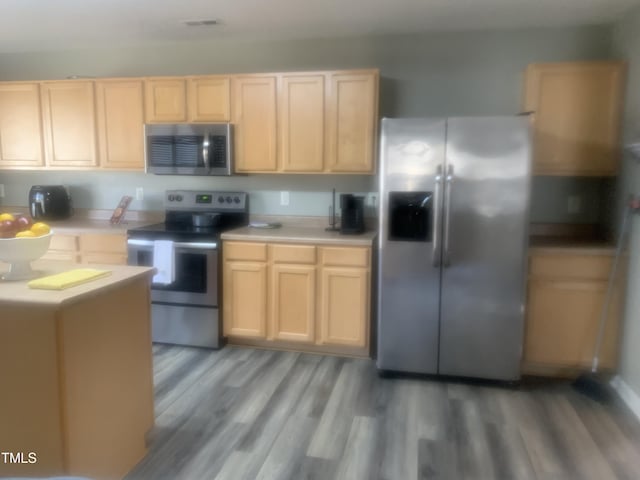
point(284, 199)
point(139, 194)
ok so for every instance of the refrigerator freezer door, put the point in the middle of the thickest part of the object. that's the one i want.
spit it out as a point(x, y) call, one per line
point(412, 151)
point(483, 278)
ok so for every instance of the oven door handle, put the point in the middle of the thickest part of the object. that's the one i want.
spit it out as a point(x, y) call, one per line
point(185, 245)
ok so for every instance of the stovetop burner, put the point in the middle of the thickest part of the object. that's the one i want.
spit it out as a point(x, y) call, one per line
point(232, 208)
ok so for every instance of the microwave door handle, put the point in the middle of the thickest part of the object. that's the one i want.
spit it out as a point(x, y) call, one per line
point(205, 151)
point(435, 253)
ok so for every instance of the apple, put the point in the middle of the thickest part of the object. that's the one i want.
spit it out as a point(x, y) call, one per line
point(8, 228)
point(23, 223)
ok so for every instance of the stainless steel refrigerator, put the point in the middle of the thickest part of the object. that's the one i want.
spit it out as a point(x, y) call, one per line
point(454, 210)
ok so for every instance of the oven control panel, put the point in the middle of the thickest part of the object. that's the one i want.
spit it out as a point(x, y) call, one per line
point(203, 200)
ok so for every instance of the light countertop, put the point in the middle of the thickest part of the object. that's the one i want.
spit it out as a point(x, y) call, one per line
point(85, 225)
point(18, 293)
point(564, 246)
point(299, 234)
point(96, 221)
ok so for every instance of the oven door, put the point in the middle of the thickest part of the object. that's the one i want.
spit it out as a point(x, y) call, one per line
point(196, 272)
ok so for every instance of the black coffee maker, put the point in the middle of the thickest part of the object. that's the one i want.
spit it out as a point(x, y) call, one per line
point(352, 216)
point(49, 202)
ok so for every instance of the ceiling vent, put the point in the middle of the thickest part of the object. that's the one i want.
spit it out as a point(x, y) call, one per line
point(201, 23)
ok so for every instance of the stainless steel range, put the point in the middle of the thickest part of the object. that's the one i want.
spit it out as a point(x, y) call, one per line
point(185, 307)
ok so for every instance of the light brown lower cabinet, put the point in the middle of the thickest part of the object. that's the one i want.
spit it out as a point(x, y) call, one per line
point(106, 248)
point(89, 248)
point(566, 294)
point(303, 297)
point(63, 247)
point(245, 308)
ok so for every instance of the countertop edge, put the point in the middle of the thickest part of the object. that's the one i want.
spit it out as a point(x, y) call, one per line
point(70, 297)
point(300, 235)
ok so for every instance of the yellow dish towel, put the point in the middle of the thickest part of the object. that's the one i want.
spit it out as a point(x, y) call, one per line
point(63, 280)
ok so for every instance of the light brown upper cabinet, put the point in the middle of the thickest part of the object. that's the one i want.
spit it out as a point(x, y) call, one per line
point(165, 100)
point(576, 117)
point(326, 122)
point(120, 124)
point(20, 125)
point(301, 126)
point(209, 99)
point(254, 118)
point(68, 109)
point(352, 122)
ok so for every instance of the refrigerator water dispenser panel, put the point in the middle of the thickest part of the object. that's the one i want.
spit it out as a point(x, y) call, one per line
point(410, 216)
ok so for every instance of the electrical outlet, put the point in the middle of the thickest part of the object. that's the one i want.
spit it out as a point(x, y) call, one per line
point(1, 190)
point(284, 199)
point(574, 204)
point(372, 199)
point(139, 194)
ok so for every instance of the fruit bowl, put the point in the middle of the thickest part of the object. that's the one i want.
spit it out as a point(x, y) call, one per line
point(20, 252)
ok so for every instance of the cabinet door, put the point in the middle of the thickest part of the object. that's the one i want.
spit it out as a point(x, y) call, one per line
point(120, 124)
point(293, 302)
point(562, 324)
point(209, 99)
point(352, 122)
point(165, 100)
point(63, 247)
point(69, 124)
point(254, 118)
point(245, 299)
point(301, 125)
point(576, 122)
point(344, 310)
point(20, 125)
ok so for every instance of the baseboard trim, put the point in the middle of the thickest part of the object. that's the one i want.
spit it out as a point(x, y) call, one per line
point(627, 394)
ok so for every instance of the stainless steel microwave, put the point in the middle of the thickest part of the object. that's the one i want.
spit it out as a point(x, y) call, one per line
point(189, 149)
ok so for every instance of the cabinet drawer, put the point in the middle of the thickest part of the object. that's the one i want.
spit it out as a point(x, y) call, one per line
point(245, 251)
point(104, 258)
point(584, 267)
point(346, 256)
point(67, 243)
point(64, 256)
point(293, 253)
point(103, 243)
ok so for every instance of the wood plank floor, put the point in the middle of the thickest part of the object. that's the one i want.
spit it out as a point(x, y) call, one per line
point(242, 413)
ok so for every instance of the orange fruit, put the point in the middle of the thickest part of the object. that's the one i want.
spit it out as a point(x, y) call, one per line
point(26, 234)
point(40, 229)
point(6, 216)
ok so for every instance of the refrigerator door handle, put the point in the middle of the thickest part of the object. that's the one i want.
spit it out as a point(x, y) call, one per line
point(447, 214)
point(436, 218)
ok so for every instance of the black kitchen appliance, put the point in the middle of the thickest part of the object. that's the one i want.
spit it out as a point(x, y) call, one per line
point(185, 310)
point(352, 214)
point(49, 202)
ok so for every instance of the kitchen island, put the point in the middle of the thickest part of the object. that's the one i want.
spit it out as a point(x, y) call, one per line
point(76, 370)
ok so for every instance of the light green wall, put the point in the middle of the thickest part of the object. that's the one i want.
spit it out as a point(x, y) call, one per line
point(627, 46)
point(438, 74)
